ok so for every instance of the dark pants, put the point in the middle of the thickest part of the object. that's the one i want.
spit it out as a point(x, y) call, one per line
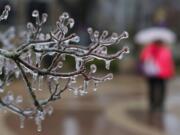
point(157, 92)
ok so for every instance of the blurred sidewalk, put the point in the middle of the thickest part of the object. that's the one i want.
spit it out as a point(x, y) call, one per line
point(118, 107)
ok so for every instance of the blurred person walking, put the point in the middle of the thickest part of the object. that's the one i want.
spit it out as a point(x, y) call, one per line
point(157, 65)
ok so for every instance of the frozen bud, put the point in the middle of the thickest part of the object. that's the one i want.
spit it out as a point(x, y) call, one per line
point(126, 49)
point(90, 30)
point(44, 17)
point(124, 35)
point(104, 34)
point(71, 22)
point(7, 7)
point(35, 13)
point(93, 68)
point(65, 15)
point(30, 26)
point(96, 34)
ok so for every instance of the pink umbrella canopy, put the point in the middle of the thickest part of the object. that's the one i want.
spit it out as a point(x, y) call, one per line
point(148, 35)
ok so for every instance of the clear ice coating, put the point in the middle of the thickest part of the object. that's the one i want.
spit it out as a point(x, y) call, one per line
point(56, 44)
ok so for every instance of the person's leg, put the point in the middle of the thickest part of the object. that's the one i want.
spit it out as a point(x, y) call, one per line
point(151, 93)
point(163, 93)
point(160, 94)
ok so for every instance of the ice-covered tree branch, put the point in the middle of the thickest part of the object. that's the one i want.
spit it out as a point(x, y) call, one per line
point(25, 61)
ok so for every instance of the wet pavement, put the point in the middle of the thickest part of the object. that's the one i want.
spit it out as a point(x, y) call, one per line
point(119, 107)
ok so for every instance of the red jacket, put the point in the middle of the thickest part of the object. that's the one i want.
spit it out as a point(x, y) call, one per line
point(162, 56)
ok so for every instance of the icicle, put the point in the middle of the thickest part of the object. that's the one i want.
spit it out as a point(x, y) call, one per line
point(17, 73)
point(78, 63)
point(44, 17)
point(40, 82)
point(38, 61)
point(73, 79)
point(34, 80)
point(5, 13)
point(93, 68)
point(108, 63)
point(1, 64)
point(39, 124)
point(75, 92)
point(22, 118)
point(96, 83)
point(85, 85)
